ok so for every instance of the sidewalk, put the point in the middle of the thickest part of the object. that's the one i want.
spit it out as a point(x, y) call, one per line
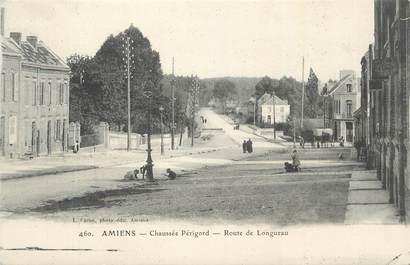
point(368, 202)
point(69, 162)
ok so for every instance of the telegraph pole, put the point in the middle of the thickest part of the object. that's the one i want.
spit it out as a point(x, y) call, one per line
point(128, 97)
point(173, 106)
point(127, 53)
point(274, 117)
point(194, 91)
point(303, 90)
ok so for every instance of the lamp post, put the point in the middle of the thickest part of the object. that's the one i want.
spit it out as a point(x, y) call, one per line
point(161, 109)
point(149, 165)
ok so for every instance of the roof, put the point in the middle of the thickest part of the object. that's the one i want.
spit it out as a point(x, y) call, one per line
point(267, 99)
point(339, 83)
point(42, 55)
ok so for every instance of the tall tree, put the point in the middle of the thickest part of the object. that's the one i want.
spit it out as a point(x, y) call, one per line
point(224, 90)
point(146, 74)
point(312, 96)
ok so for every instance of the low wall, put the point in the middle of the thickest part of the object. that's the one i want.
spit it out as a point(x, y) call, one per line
point(117, 140)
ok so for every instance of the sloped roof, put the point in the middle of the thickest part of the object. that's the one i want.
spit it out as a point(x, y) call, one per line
point(42, 55)
point(339, 84)
point(267, 99)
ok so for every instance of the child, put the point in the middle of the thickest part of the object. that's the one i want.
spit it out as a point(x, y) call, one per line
point(171, 174)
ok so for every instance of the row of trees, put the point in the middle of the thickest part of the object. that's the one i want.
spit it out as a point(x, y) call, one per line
point(98, 86)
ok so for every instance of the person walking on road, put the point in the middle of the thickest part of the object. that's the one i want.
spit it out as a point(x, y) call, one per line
point(249, 147)
point(244, 146)
point(295, 160)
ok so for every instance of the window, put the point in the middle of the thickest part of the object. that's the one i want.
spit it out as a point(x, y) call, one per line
point(13, 87)
point(349, 108)
point(35, 93)
point(50, 95)
point(61, 94)
point(282, 109)
point(12, 129)
point(57, 129)
point(3, 87)
point(42, 93)
point(337, 106)
point(349, 87)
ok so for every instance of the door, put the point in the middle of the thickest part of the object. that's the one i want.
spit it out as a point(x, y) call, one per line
point(33, 137)
point(49, 137)
point(2, 133)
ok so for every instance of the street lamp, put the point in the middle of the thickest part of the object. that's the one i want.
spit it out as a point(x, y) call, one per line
point(149, 165)
point(161, 109)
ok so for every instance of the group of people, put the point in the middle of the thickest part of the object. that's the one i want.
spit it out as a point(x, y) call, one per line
point(203, 119)
point(247, 146)
point(133, 175)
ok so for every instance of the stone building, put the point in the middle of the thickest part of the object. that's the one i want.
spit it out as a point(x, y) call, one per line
point(386, 67)
point(343, 97)
point(34, 98)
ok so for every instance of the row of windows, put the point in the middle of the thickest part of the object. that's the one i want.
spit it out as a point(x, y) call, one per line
point(42, 95)
point(337, 107)
point(45, 94)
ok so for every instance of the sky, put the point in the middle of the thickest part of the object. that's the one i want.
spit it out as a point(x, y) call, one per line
point(211, 38)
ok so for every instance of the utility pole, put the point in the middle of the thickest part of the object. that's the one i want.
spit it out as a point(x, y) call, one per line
point(194, 92)
point(161, 109)
point(303, 90)
point(274, 116)
point(294, 132)
point(128, 97)
point(173, 106)
point(254, 112)
point(127, 52)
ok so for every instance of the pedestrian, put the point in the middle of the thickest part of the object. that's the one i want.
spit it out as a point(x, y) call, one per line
point(295, 160)
point(205, 120)
point(249, 147)
point(244, 146)
point(76, 147)
point(171, 174)
point(302, 142)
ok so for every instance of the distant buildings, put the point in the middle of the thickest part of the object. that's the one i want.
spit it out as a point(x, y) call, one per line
point(384, 115)
point(343, 96)
point(272, 107)
point(34, 98)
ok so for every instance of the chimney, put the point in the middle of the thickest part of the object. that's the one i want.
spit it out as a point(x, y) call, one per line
point(32, 40)
point(16, 36)
point(2, 22)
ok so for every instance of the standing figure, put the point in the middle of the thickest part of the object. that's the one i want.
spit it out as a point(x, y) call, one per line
point(76, 147)
point(295, 160)
point(244, 144)
point(249, 146)
point(302, 142)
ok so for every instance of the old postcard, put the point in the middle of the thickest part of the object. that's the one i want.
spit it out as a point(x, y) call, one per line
point(205, 132)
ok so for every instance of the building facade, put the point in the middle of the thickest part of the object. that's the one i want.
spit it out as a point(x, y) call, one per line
point(386, 68)
point(34, 98)
point(343, 99)
point(272, 108)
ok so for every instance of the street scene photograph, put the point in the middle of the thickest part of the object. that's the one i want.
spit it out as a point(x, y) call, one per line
point(274, 113)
